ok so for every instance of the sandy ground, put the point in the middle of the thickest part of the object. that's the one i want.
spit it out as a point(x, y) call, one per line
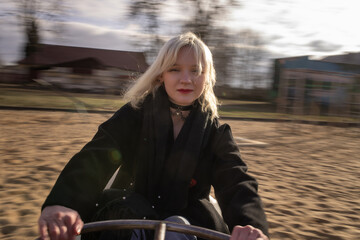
point(309, 175)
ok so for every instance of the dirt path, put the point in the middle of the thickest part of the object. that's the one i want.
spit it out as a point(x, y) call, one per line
point(309, 175)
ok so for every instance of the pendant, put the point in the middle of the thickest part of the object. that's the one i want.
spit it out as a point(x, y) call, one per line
point(179, 113)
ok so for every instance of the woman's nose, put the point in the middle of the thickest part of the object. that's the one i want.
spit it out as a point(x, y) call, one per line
point(186, 77)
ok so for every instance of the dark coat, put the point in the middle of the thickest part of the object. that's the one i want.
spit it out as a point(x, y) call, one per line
point(120, 140)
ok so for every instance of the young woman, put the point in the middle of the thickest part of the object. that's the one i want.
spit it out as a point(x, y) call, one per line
point(171, 149)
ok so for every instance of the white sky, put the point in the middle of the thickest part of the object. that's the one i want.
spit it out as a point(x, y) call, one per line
point(289, 27)
point(304, 27)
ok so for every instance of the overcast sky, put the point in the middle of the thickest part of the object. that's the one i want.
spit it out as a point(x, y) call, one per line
point(289, 27)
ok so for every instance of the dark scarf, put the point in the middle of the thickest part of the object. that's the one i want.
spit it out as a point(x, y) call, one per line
point(165, 169)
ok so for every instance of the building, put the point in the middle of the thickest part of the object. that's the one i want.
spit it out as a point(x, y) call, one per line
point(13, 74)
point(317, 87)
point(349, 58)
point(84, 69)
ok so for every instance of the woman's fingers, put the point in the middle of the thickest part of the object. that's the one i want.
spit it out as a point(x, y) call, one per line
point(79, 224)
point(247, 233)
point(74, 225)
point(235, 233)
point(254, 235)
point(54, 230)
point(43, 229)
point(58, 223)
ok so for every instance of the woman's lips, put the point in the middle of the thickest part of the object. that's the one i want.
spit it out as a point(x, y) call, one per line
point(185, 90)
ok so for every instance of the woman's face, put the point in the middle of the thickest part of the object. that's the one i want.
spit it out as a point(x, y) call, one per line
point(183, 82)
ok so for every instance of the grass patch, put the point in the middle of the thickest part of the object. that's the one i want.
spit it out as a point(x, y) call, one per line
point(16, 97)
point(11, 96)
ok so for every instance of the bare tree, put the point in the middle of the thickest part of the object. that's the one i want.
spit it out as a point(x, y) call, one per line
point(31, 13)
point(237, 56)
point(205, 17)
point(249, 57)
point(205, 21)
point(147, 12)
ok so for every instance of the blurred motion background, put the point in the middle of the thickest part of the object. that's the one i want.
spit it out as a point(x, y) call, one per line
point(301, 56)
point(288, 79)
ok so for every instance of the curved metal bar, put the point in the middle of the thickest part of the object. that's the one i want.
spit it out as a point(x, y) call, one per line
point(152, 224)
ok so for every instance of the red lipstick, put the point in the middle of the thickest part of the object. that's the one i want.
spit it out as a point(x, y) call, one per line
point(185, 90)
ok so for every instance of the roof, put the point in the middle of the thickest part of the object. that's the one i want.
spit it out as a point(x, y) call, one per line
point(48, 55)
point(349, 58)
point(305, 63)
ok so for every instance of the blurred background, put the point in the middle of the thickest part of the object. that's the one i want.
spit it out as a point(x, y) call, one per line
point(302, 56)
point(288, 79)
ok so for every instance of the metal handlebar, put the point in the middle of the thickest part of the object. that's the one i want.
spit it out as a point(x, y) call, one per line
point(160, 227)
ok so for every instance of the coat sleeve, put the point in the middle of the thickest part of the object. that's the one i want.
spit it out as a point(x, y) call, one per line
point(83, 179)
point(235, 190)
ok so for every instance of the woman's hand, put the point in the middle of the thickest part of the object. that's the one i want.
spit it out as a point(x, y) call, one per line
point(59, 223)
point(247, 233)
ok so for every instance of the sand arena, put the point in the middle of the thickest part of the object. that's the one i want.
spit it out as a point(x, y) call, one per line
point(309, 175)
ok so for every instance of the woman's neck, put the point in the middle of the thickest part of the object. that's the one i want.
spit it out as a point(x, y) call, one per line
point(178, 119)
point(179, 115)
point(181, 107)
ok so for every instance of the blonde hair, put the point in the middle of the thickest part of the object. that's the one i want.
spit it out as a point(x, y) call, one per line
point(149, 82)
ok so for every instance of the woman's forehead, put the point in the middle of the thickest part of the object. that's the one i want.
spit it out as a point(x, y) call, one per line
point(187, 56)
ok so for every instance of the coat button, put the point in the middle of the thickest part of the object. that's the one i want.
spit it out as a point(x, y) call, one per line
point(159, 196)
point(124, 198)
point(153, 206)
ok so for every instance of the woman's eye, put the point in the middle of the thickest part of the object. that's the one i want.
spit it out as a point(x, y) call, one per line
point(196, 71)
point(174, 70)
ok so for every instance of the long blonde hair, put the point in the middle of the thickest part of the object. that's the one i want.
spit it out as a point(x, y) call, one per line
point(148, 82)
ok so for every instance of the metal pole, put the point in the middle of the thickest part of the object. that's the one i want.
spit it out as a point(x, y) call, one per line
point(160, 231)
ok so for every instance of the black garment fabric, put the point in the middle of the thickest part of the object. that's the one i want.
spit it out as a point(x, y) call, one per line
point(164, 163)
point(175, 177)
